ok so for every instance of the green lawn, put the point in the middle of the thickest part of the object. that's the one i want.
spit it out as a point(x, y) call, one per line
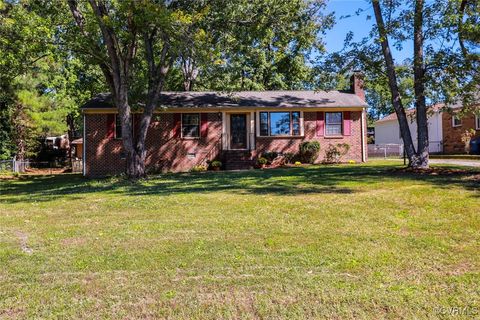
point(341, 242)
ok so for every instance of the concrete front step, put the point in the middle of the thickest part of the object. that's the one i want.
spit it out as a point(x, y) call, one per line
point(236, 167)
point(237, 160)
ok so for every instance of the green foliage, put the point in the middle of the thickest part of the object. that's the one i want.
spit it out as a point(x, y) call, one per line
point(42, 81)
point(451, 76)
point(263, 52)
point(198, 168)
point(6, 141)
point(262, 161)
point(216, 163)
point(334, 153)
point(270, 156)
point(308, 151)
point(289, 157)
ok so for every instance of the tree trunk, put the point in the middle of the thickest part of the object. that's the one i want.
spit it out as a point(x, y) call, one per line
point(190, 73)
point(135, 166)
point(70, 133)
point(393, 84)
point(19, 119)
point(419, 87)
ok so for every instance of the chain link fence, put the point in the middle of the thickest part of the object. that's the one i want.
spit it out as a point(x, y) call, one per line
point(392, 150)
point(40, 167)
point(388, 150)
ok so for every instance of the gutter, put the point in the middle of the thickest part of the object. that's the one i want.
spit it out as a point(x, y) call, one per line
point(364, 158)
point(84, 160)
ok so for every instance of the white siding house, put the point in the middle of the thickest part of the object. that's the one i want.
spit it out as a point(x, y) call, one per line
point(387, 130)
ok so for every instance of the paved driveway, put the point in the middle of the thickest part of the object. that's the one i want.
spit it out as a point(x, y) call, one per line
point(458, 162)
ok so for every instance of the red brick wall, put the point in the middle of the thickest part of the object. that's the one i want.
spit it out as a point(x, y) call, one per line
point(265, 144)
point(165, 152)
point(102, 154)
point(452, 136)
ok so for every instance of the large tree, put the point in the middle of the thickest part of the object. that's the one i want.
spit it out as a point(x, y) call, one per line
point(438, 70)
point(417, 159)
point(137, 43)
point(34, 101)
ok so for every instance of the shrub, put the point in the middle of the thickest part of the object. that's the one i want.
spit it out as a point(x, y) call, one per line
point(198, 168)
point(298, 163)
point(466, 138)
point(289, 157)
point(262, 161)
point(309, 151)
point(216, 164)
point(334, 153)
point(270, 156)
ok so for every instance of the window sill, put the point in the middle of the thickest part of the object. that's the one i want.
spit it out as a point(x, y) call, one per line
point(190, 138)
point(333, 137)
point(281, 137)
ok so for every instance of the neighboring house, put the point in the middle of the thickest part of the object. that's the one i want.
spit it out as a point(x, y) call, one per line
point(77, 148)
point(455, 125)
point(237, 127)
point(444, 132)
point(57, 143)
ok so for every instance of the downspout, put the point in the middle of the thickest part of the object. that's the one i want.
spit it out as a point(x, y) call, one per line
point(364, 158)
point(84, 145)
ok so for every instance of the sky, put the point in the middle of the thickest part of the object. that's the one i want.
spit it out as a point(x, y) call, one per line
point(356, 23)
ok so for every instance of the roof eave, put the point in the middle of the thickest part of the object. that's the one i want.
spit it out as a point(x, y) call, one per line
point(220, 108)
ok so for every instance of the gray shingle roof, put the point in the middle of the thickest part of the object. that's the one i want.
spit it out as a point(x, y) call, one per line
point(282, 99)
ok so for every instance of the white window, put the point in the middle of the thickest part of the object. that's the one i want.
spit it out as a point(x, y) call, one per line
point(280, 123)
point(190, 125)
point(477, 122)
point(333, 123)
point(456, 121)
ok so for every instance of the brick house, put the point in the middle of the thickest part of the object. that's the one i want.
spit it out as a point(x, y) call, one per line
point(454, 126)
point(445, 128)
point(193, 127)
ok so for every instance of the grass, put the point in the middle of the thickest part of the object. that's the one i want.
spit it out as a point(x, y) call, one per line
point(339, 242)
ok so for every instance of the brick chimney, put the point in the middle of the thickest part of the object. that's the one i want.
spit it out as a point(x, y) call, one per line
point(356, 84)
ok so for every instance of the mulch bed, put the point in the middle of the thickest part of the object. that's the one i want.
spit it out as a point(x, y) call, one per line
point(433, 171)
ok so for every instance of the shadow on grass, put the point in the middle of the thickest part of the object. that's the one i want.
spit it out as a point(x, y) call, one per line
point(283, 181)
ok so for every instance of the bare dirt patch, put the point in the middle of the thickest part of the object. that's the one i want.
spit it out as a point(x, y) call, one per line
point(73, 242)
point(45, 171)
point(23, 237)
point(8, 177)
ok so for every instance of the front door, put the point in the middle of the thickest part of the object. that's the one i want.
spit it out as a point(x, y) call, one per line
point(238, 131)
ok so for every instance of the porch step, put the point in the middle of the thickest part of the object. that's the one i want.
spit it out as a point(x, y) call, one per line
point(237, 160)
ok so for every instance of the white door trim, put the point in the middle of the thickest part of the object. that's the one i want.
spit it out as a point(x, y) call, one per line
point(227, 132)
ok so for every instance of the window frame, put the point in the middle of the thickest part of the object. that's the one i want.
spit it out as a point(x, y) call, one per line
point(199, 125)
point(115, 135)
point(477, 122)
point(326, 124)
point(291, 124)
point(116, 128)
point(455, 116)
